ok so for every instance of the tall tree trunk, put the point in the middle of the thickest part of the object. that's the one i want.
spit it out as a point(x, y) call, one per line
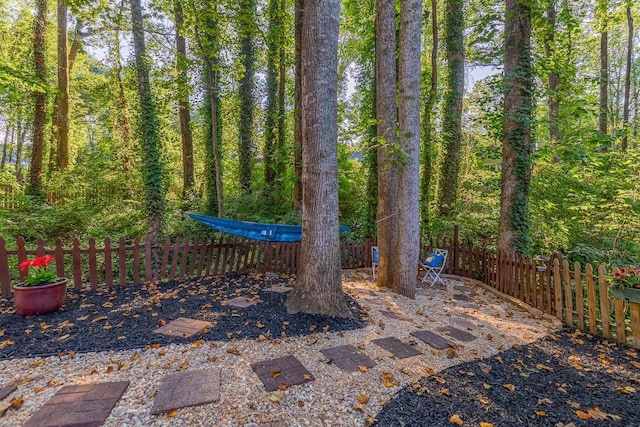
point(387, 122)
point(452, 109)
point(281, 123)
point(40, 102)
point(7, 132)
point(370, 225)
point(319, 287)
point(62, 98)
point(408, 239)
point(123, 121)
point(271, 113)
point(627, 81)
point(184, 110)
point(427, 127)
point(297, 107)
point(150, 141)
point(245, 126)
point(553, 104)
point(20, 135)
point(603, 118)
point(516, 144)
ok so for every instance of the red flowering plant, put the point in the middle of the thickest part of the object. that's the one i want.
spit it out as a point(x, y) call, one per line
point(625, 278)
point(39, 273)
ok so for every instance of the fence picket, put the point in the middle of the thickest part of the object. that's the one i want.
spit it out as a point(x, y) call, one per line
point(174, 259)
point(577, 274)
point(148, 255)
point(136, 260)
point(621, 332)
point(58, 254)
point(568, 293)
point(634, 308)
point(93, 267)
point(22, 256)
point(5, 273)
point(122, 261)
point(77, 265)
point(591, 299)
point(557, 288)
point(165, 258)
point(108, 263)
point(604, 302)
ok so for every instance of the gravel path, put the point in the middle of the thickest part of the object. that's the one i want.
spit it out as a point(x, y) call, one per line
point(334, 398)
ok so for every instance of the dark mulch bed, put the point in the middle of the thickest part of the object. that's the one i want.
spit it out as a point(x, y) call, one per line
point(555, 382)
point(125, 317)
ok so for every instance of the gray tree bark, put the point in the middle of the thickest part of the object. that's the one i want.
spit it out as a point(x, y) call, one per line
point(319, 286)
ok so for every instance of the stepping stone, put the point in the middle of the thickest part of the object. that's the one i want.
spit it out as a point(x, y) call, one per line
point(463, 288)
point(285, 370)
point(184, 389)
point(79, 405)
point(433, 339)
point(396, 347)
point(463, 322)
point(242, 302)
point(348, 358)
point(462, 297)
point(270, 424)
point(394, 315)
point(6, 391)
point(456, 333)
point(278, 289)
point(468, 305)
point(427, 292)
point(183, 327)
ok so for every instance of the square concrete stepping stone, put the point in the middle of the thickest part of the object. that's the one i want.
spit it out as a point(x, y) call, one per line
point(396, 347)
point(395, 315)
point(242, 302)
point(348, 358)
point(427, 292)
point(463, 322)
point(287, 371)
point(456, 333)
point(6, 391)
point(184, 389)
point(79, 405)
point(462, 297)
point(183, 327)
point(467, 305)
point(433, 339)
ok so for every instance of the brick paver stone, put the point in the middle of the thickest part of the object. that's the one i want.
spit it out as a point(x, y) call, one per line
point(184, 389)
point(287, 371)
point(348, 358)
point(6, 391)
point(183, 327)
point(395, 315)
point(433, 339)
point(84, 405)
point(242, 302)
point(456, 333)
point(396, 347)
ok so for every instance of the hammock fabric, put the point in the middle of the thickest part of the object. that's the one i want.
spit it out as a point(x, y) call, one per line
point(255, 230)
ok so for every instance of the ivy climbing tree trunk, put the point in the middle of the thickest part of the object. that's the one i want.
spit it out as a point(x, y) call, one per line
point(452, 108)
point(40, 101)
point(150, 139)
point(427, 126)
point(387, 122)
point(271, 113)
point(184, 109)
point(516, 144)
point(319, 286)
point(627, 80)
point(245, 126)
point(408, 238)
point(62, 97)
point(122, 118)
point(297, 107)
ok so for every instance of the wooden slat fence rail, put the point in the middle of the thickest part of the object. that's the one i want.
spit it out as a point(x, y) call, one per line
point(120, 263)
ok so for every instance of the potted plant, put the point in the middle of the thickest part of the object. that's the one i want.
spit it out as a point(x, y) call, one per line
point(42, 291)
point(625, 283)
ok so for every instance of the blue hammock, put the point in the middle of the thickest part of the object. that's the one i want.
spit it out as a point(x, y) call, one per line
point(256, 230)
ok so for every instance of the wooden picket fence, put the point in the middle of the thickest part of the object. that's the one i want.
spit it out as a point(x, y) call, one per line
point(578, 296)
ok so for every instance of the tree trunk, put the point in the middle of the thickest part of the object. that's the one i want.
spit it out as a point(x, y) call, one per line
point(281, 123)
point(408, 239)
point(150, 141)
point(184, 110)
point(553, 104)
point(62, 98)
point(387, 122)
point(122, 117)
point(627, 81)
point(427, 127)
point(271, 113)
point(40, 102)
point(297, 108)
point(319, 287)
point(371, 159)
point(245, 137)
point(452, 108)
point(19, 147)
point(604, 84)
point(7, 131)
point(516, 149)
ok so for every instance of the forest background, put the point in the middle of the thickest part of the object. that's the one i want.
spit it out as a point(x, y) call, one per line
point(232, 68)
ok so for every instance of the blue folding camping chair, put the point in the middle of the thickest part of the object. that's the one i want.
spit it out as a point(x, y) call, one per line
point(434, 264)
point(374, 261)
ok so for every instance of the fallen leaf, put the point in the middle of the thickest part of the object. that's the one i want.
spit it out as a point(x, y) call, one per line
point(275, 374)
point(162, 322)
point(597, 414)
point(626, 390)
point(484, 424)
point(440, 379)
point(455, 419)
point(484, 368)
point(486, 386)
point(363, 398)
point(362, 368)
point(184, 365)
point(583, 415)
point(544, 367)
point(172, 414)
point(510, 387)
point(540, 413)
point(445, 391)
point(276, 396)
point(484, 401)
point(544, 401)
point(38, 389)
point(573, 405)
point(6, 343)
point(307, 377)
